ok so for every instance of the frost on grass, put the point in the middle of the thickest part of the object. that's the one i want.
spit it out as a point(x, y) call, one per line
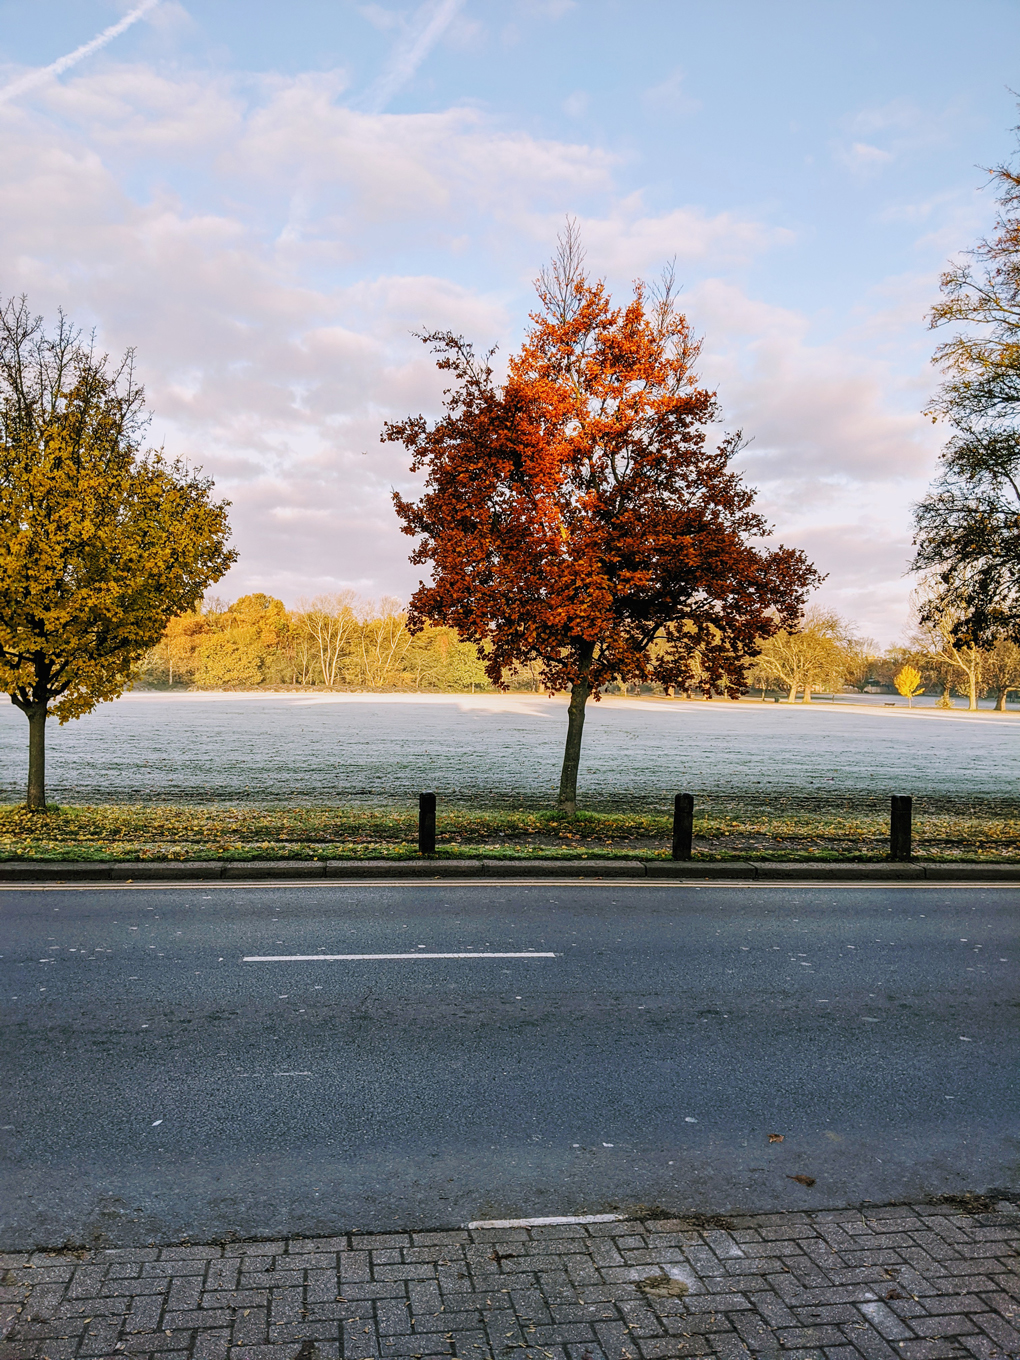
point(246, 776)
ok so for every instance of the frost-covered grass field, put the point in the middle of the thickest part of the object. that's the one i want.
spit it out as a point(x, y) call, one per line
point(505, 751)
point(195, 775)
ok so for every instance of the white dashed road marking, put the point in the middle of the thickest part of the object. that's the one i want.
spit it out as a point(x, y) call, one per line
point(343, 958)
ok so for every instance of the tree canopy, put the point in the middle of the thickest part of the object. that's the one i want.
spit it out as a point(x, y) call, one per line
point(967, 529)
point(100, 542)
point(576, 515)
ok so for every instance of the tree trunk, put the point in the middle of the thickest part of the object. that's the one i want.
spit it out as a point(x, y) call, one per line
point(36, 801)
point(1000, 701)
point(807, 695)
point(793, 695)
point(579, 691)
point(972, 702)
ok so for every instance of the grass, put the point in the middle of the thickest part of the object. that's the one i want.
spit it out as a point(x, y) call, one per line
point(724, 830)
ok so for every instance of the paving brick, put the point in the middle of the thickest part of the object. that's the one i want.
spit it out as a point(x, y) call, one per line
point(927, 1350)
point(165, 1270)
point(910, 1282)
point(191, 1253)
point(827, 1313)
point(130, 1288)
point(615, 1340)
point(698, 1324)
point(730, 1348)
point(965, 1284)
point(100, 1337)
point(802, 1337)
point(355, 1266)
point(955, 1303)
point(755, 1333)
point(950, 1324)
point(185, 1292)
point(806, 1286)
point(271, 1279)
point(1008, 1306)
point(773, 1309)
point(704, 1261)
point(983, 1347)
point(1000, 1331)
point(884, 1320)
point(250, 1327)
point(145, 1313)
point(926, 1263)
point(211, 1346)
point(868, 1342)
point(665, 1347)
point(86, 1281)
point(185, 1320)
point(317, 1244)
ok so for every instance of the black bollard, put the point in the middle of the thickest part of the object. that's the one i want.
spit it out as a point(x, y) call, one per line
point(900, 827)
point(683, 825)
point(426, 824)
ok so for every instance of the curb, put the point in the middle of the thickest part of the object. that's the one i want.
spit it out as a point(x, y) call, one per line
point(749, 871)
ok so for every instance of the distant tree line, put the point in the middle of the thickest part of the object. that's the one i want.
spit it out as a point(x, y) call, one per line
point(336, 641)
point(342, 642)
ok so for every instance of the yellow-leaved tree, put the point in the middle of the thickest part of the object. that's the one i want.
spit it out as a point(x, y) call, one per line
point(101, 543)
point(908, 683)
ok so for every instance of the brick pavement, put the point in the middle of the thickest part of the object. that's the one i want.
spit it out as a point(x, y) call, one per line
point(921, 1282)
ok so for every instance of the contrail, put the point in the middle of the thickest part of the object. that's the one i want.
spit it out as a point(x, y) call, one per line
point(44, 73)
point(436, 17)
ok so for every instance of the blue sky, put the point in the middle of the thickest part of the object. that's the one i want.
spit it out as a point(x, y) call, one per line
point(267, 199)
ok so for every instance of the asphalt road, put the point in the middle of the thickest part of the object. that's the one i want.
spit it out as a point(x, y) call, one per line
point(160, 1079)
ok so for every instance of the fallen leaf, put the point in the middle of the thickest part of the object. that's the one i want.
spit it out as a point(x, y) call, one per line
point(775, 1137)
point(802, 1180)
point(663, 1287)
point(895, 1294)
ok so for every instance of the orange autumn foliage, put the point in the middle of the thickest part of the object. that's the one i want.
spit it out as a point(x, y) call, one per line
point(575, 515)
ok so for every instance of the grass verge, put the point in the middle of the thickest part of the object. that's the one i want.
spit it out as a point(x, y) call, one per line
point(731, 830)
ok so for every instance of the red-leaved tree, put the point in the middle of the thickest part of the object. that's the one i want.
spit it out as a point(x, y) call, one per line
point(576, 518)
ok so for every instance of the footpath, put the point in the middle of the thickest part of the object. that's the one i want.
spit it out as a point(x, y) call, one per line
point(893, 1282)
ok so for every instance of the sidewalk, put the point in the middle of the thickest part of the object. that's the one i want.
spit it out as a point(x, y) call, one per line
point(923, 1282)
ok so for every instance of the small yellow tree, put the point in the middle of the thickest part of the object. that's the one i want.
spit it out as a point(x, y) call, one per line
point(100, 544)
point(908, 683)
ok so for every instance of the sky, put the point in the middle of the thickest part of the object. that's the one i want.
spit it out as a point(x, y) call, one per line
point(268, 200)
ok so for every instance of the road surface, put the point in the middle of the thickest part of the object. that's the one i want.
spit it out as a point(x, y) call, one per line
point(186, 1063)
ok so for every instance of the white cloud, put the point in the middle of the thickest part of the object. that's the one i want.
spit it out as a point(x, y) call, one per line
point(379, 17)
point(670, 97)
point(902, 127)
point(576, 104)
point(630, 241)
point(863, 157)
point(839, 448)
point(272, 289)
